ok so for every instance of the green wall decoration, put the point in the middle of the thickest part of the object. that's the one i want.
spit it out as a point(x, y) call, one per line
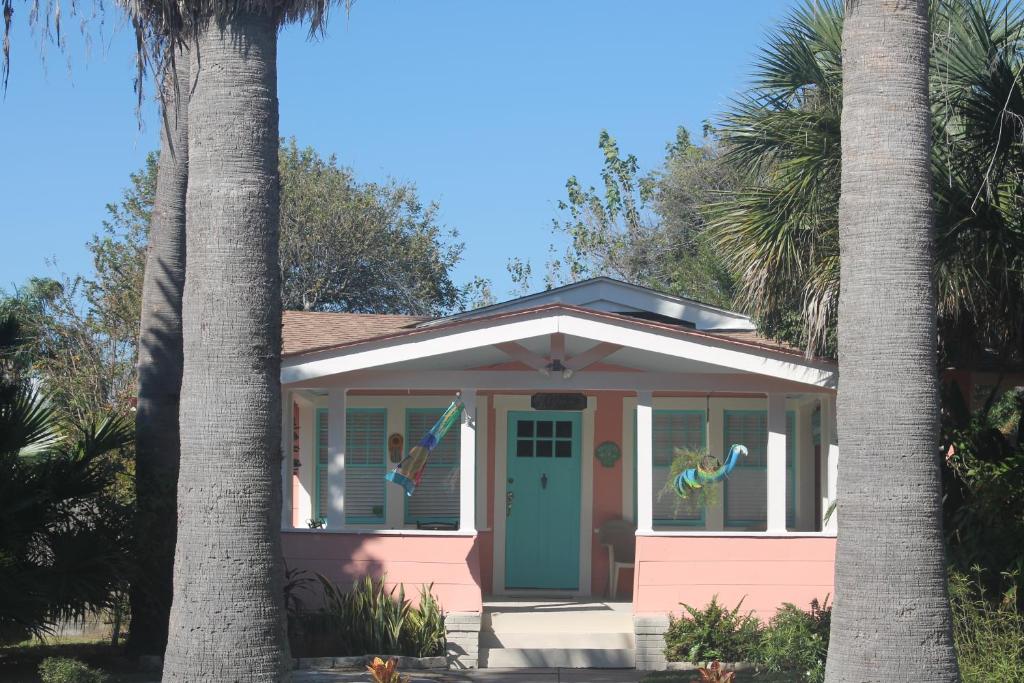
point(608, 453)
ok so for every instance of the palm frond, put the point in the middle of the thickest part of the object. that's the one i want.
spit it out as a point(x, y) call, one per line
point(28, 425)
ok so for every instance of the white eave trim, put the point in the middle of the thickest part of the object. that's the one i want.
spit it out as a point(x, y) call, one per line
point(430, 343)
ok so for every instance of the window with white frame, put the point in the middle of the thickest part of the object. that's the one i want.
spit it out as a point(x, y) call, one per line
point(746, 488)
point(672, 429)
point(437, 495)
point(365, 465)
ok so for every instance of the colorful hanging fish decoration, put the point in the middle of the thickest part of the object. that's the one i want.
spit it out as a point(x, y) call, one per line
point(409, 472)
point(697, 477)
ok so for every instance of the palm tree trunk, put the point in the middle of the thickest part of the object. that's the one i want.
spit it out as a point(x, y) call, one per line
point(892, 619)
point(160, 367)
point(226, 620)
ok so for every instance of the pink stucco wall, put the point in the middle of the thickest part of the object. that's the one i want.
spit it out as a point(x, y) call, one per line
point(451, 563)
point(763, 572)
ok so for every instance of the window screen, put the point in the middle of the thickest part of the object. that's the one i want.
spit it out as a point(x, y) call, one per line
point(671, 429)
point(746, 488)
point(674, 429)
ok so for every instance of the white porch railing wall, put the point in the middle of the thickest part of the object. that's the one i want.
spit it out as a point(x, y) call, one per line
point(337, 413)
point(776, 479)
point(287, 434)
point(830, 456)
point(467, 463)
point(645, 461)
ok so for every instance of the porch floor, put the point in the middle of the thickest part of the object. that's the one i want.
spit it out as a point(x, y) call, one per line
point(548, 632)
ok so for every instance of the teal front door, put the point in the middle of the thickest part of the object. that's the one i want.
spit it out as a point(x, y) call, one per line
point(542, 501)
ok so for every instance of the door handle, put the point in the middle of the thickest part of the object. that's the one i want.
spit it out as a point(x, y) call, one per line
point(508, 503)
point(544, 481)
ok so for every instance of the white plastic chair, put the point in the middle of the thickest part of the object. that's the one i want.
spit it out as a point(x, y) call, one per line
point(619, 536)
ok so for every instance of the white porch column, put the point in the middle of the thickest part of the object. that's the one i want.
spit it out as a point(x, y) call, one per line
point(304, 499)
point(644, 461)
point(829, 462)
point(776, 462)
point(467, 462)
point(336, 431)
point(287, 432)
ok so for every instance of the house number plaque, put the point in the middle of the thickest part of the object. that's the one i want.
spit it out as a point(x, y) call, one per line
point(558, 401)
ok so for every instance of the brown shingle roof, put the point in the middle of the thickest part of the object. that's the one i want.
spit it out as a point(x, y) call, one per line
point(306, 331)
point(752, 337)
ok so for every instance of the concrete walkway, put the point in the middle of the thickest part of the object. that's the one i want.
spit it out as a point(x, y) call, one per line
point(486, 676)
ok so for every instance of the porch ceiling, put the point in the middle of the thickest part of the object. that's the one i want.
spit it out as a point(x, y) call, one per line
point(487, 357)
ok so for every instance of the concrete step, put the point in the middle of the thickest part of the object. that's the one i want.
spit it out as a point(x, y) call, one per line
point(558, 639)
point(556, 633)
point(574, 658)
point(553, 617)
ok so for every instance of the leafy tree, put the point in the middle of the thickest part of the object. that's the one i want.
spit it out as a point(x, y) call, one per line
point(361, 247)
point(693, 177)
point(63, 525)
point(648, 229)
point(82, 331)
point(891, 619)
point(77, 346)
point(779, 232)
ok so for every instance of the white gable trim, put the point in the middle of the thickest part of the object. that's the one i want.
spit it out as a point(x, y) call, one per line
point(613, 296)
point(430, 343)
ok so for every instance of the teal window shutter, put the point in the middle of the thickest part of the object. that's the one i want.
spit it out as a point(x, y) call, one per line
point(365, 465)
point(437, 497)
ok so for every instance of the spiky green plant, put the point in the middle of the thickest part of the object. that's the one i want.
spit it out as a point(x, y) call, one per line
point(63, 545)
point(424, 635)
point(370, 617)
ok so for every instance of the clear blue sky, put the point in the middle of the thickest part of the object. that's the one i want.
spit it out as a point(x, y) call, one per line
point(487, 106)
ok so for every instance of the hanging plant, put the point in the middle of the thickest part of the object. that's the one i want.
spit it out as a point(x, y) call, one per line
point(682, 460)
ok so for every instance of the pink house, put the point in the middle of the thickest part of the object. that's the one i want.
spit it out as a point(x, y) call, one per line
point(575, 399)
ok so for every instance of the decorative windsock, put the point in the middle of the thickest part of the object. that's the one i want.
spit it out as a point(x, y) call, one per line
point(409, 472)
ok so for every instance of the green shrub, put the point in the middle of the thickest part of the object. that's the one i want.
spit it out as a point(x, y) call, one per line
point(714, 632)
point(64, 670)
point(368, 619)
point(989, 635)
point(796, 642)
